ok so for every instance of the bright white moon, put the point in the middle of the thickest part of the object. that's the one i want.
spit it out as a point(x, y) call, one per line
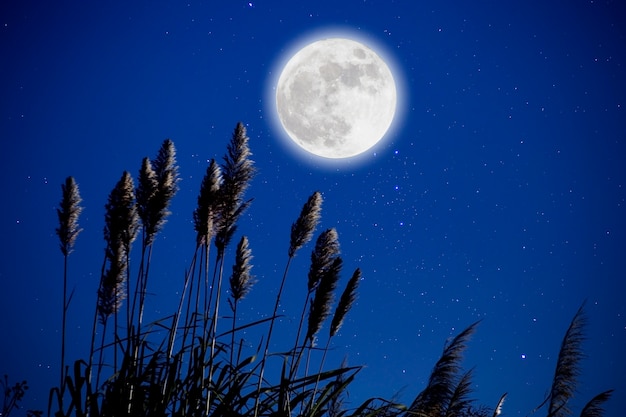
point(336, 98)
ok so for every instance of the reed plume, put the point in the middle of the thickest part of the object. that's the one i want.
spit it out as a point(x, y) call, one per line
point(568, 366)
point(594, 407)
point(241, 282)
point(302, 229)
point(120, 231)
point(460, 400)
point(442, 381)
point(326, 249)
point(68, 212)
point(323, 299)
point(498, 410)
point(158, 183)
point(237, 172)
point(348, 297)
point(204, 215)
point(147, 188)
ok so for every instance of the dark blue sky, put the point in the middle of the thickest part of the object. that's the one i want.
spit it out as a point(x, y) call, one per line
point(498, 196)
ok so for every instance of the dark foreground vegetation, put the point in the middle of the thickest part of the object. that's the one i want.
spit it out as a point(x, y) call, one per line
point(192, 362)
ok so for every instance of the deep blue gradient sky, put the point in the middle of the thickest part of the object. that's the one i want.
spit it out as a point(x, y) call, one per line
point(498, 196)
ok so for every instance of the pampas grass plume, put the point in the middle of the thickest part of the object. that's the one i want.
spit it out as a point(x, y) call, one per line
point(302, 229)
point(348, 297)
point(241, 281)
point(322, 302)
point(208, 203)
point(68, 212)
point(326, 249)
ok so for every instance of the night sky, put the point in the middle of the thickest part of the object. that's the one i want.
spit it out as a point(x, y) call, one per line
point(498, 194)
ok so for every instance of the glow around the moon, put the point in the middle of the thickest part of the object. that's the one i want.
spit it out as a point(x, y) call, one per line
point(336, 98)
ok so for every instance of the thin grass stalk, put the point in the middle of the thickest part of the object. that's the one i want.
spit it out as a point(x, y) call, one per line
point(95, 320)
point(269, 337)
point(195, 314)
point(64, 319)
point(100, 358)
point(176, 318)
point(232, 336)
point(319, 372)
point(68, 213)
point(143, 290)
point(206, 306)
point(213, 336)
point(138, 284)
point(189, 320)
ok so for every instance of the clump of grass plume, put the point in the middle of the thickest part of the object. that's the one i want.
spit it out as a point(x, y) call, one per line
point(302, 229)
point(203, 372)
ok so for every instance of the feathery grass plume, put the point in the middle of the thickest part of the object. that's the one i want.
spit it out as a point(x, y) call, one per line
point(567, 366)
point(498, 410)
point(594, 407)
point(323, 299)
point(166, 170)
point(241, 281)
point(460, 401)
point(121, 220)
point(120, 231)
point(208, 203)
point(158, 183)
point(348, 297)
point(68, 212)
point(111, 292)
point(302, 229)
point(442, 381)
point(326, 249)
point(147, 186)
point(322, 257)
point(237, 171)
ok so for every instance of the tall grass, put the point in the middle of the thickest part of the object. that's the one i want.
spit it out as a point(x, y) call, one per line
point(191, 363)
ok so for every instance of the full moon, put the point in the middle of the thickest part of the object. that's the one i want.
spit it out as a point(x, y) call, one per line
point(336, 98)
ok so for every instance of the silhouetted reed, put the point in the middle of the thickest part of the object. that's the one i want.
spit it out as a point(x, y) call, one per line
point(237, 172)
point(184, 366)
point(325, 252)
point(302, 229)
point(348, 297)
point(68, 212)
point(241, 282)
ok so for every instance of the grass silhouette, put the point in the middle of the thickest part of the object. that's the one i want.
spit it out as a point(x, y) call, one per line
point(181, 366)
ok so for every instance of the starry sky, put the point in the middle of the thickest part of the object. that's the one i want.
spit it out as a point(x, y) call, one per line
point(498, 195)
